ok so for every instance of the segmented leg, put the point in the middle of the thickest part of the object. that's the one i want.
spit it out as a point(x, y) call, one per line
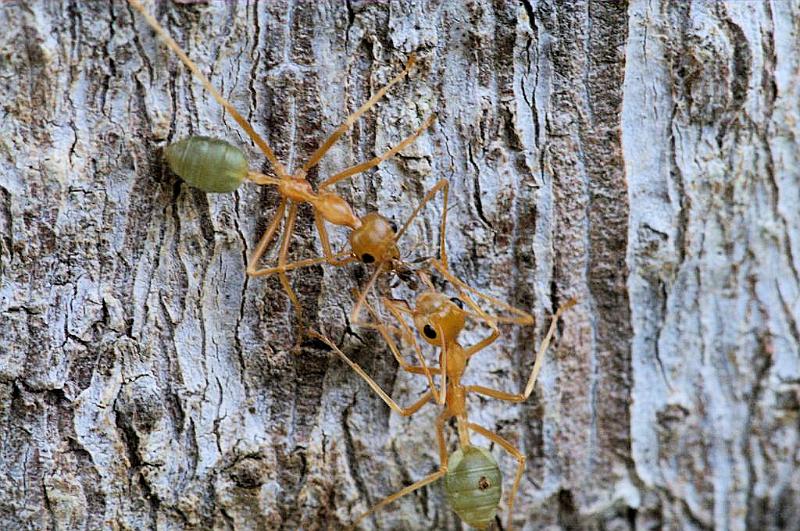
point(384, 330)
point(426, 279)
point(399, 305)
point(443, 267)
point(508, 447)
point(402, 327)
point(441, 396)
point(443, 225)
point(306, 262)
point(441, 184)
point(404, 411)
point(260, 178)
point(405, 331)
point(355, 313)
point(283, 254)
point(421, 483)
point(265, 240)
point(321, 150)
point(331, 258)
point(244, 124)
point(378, 322)
point(524, 318)
point(482, 344)
point(363, 166)
point(537, 364)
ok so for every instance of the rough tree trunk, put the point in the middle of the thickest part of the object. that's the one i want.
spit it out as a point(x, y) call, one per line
point(641, 157)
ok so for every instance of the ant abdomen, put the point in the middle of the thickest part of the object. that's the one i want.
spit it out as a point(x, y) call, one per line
point(473, 485)
point(210, 164)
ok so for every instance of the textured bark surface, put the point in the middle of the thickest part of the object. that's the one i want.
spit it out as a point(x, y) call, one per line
point(641, 157)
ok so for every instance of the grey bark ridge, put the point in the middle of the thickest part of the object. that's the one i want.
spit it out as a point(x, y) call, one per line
point(640, 156)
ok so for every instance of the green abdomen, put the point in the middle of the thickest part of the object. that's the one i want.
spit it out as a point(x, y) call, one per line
point(473, 485)
point(210, 164)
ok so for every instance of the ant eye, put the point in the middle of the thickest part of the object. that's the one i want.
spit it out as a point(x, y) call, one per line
point(458, 302)
point(393, 225)
point(429, 332)
point(367, 258)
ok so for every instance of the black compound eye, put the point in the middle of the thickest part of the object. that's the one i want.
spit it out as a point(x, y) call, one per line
point(458, 302)
point(367, 258)
point(393, 225)
point(429, 332)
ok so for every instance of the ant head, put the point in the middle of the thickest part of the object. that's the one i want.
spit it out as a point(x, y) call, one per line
point(374, 240)
point(436, 313)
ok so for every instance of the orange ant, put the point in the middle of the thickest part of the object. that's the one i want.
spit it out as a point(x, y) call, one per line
point(373, 237)
point(472, 478)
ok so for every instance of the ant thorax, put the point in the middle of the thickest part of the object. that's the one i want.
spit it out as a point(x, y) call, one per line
point(334, 209)
point(456, 365)
point(298, 190)
point(375, 240)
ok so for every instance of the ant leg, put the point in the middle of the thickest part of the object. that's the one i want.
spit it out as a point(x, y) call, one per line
point(419, 369)
point(386, 331)
point(404, 411)
point(422, 368)
point(484, 343)
point(443, 227)
point(319, 221)
point(537, 364)
point(283, 266)
point(398, 307)
point(330, 258)
point(320, 152)
point(355, 317)
point(287, 237)
point(342, 258)
point(443, 268)
point(355, 313)
point(363, 166)
point(524, 318)
point(260, 178)
point(265, 240)
point(244, 124)
point(426, 279)
point(441, 396)
point(508, 447)
point(421, 483)
point(440, 184)
point(379, 324)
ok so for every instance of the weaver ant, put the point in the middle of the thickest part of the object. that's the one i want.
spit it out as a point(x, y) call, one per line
point(471, 475)
point(216, 166)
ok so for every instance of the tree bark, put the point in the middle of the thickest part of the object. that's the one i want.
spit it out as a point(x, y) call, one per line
point(641, 157)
